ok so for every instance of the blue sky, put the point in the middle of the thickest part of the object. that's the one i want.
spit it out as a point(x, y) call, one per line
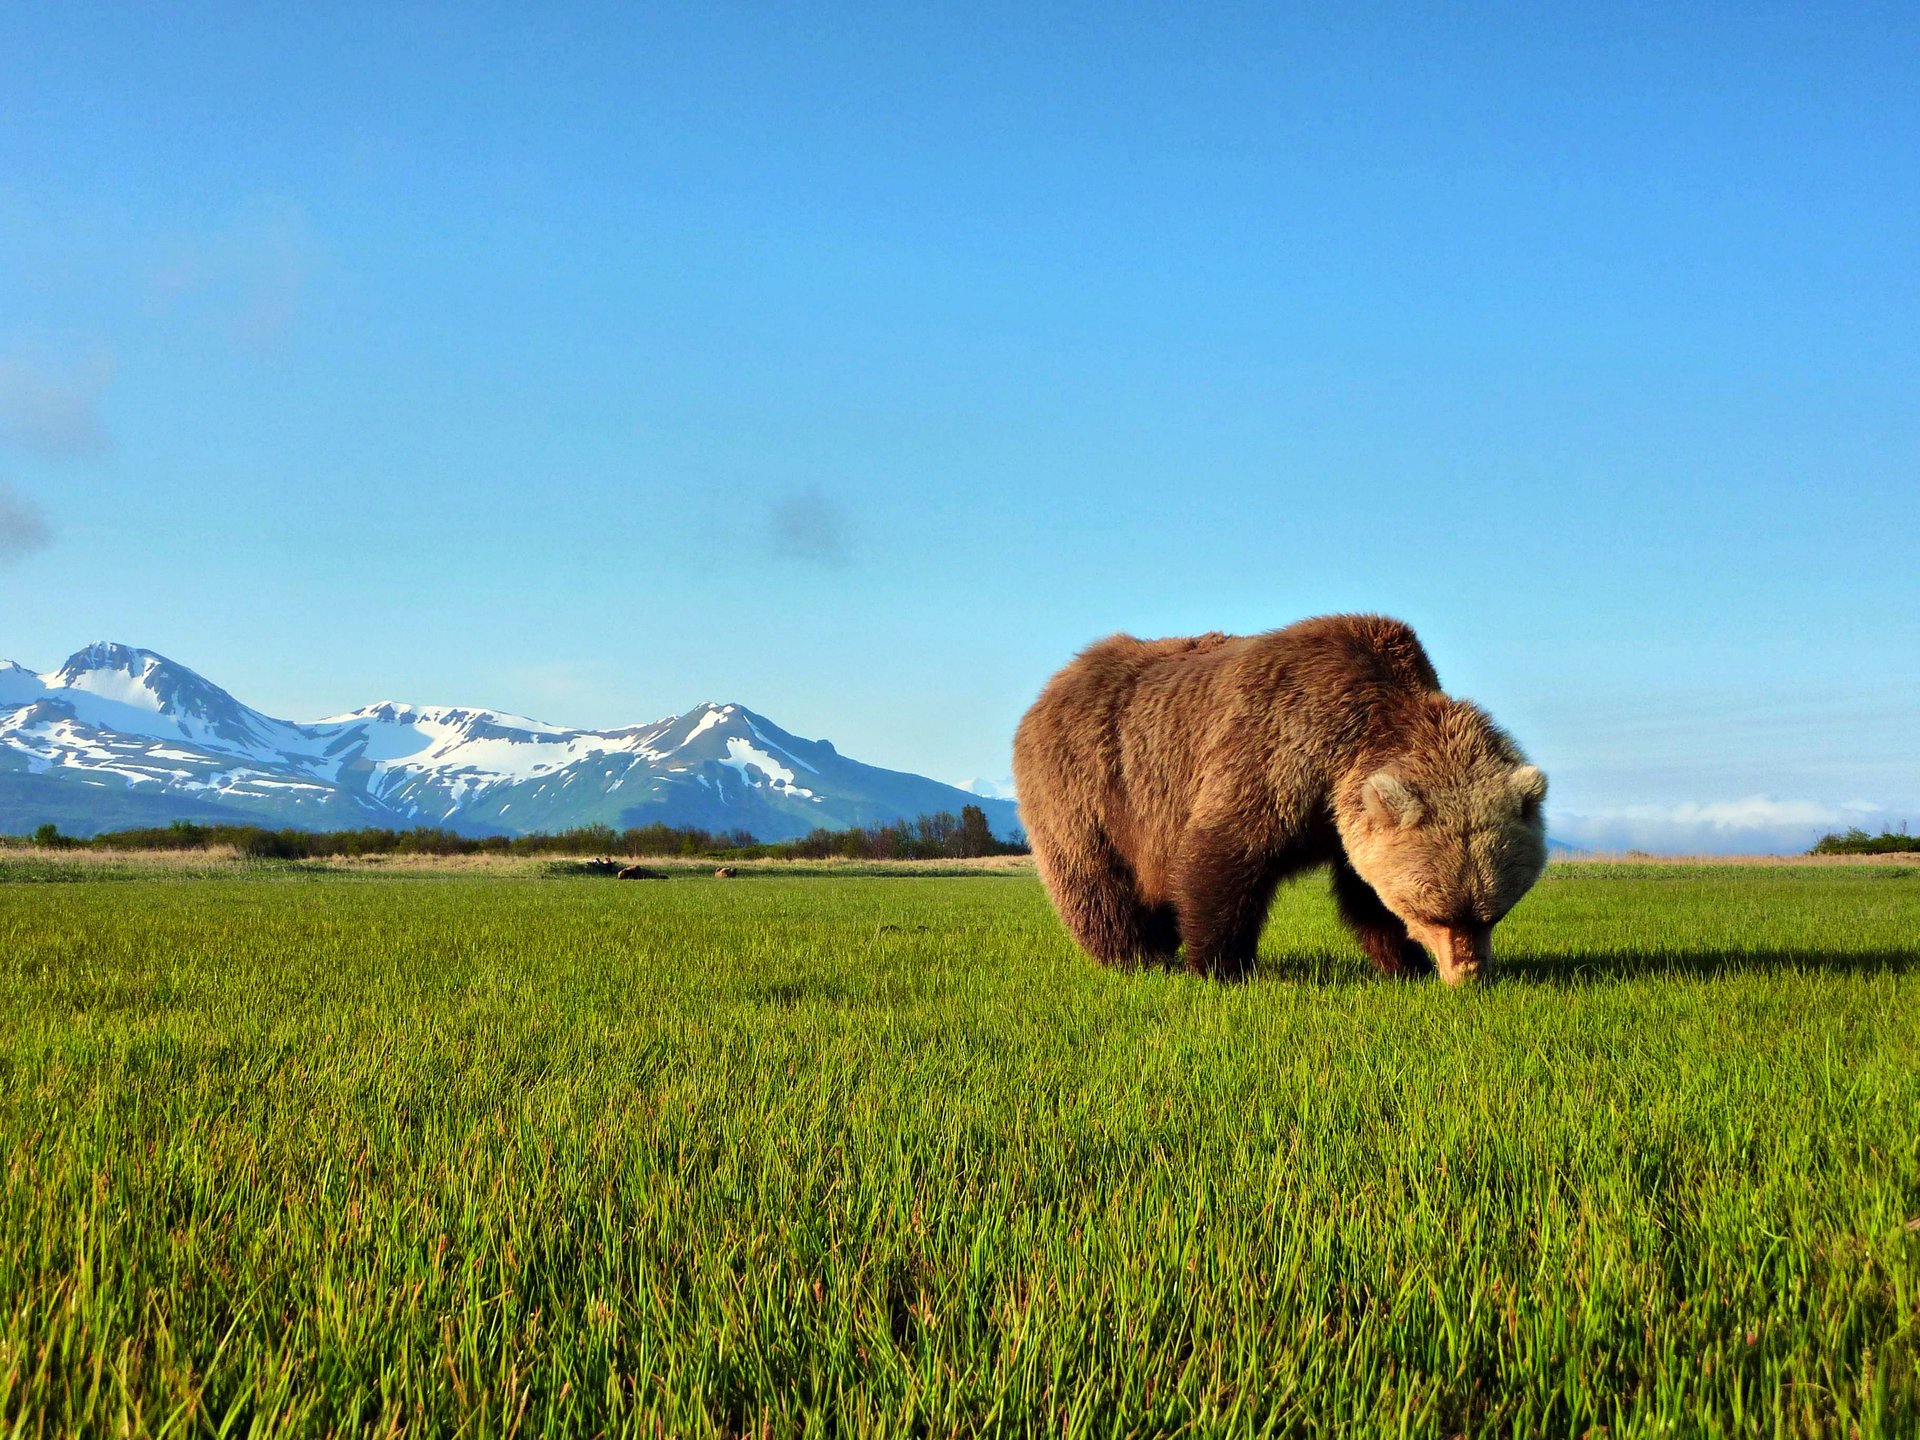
point(861, 363)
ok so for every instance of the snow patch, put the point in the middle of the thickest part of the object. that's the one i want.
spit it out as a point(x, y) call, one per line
point(743, 756)
point(781, 748)
point(120, 686)
point(707, 722)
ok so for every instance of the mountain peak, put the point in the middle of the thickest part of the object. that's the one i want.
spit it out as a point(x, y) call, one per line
point(112, 684)
point(144, 678)
point(109, 655)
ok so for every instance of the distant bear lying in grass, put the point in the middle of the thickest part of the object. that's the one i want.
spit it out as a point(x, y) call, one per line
point(1168, 786)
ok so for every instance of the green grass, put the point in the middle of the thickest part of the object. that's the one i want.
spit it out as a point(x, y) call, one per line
point(521, 1155)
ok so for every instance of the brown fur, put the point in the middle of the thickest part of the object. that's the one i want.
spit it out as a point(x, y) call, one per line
point(1168, 786)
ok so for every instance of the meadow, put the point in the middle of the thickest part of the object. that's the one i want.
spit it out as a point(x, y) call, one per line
point(298, 1150)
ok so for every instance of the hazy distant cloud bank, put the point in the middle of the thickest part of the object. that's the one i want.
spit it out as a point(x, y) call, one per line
point(23, 529)
point(53, 410)
point(812, 527)
point(1757, 825)
point(991, 789)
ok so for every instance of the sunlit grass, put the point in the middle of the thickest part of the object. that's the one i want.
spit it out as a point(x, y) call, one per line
point(508, 1154)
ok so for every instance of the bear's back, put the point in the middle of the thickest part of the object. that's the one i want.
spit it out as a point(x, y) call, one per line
point(1143, 720)
point(1251, 688)
point(1080, 711)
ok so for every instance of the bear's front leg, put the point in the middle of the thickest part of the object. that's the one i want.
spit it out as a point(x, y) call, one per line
point(1221, 887)
point(1382, 934)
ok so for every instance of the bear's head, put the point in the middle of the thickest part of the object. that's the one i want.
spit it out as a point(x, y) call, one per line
point(1447, 830)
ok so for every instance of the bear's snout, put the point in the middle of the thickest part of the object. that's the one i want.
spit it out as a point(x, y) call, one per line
point(1460, 953)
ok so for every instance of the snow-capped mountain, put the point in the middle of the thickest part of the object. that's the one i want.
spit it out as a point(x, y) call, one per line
point(119, 737)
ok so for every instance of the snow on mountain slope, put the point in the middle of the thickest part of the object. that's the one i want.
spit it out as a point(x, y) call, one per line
point(18, 685)
point(120, 718)
point(141, 734)
point(136, 692)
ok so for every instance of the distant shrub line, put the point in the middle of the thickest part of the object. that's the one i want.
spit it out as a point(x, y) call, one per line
point(941, 836)
point(1858, 842)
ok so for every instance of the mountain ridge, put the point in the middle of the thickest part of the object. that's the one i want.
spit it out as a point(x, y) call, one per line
point(122, 731)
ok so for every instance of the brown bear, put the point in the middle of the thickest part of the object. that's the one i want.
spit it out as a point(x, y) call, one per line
point(1168, 786)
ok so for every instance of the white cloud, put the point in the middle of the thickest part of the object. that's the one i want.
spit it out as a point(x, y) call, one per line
point(990, 789)
point(1755, 824)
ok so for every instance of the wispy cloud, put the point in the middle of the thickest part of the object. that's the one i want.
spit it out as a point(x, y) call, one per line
point(23, 529)
point(812, 527)
point(52, 408)
point(247, 276)
point(1756, 824)
point(563, 688)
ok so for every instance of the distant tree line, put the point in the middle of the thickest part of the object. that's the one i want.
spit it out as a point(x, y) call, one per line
point(930, 837)
point(941, 836)
point(1858, 842)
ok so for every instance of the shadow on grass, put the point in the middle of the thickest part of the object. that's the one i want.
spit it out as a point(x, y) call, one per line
point(1567, 971)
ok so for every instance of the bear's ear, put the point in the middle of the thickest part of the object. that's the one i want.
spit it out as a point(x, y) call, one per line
point(1529, 787)
point(1389, 801)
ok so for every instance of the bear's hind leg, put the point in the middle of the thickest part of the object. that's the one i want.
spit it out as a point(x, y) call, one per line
point(1100, 906)
point(1222, 888)
point(1381, 933)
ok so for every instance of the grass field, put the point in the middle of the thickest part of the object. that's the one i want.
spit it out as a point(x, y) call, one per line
point(292, 1151)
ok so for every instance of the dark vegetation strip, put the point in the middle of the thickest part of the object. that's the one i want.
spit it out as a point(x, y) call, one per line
point(1858, 842)
point(940, 836)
